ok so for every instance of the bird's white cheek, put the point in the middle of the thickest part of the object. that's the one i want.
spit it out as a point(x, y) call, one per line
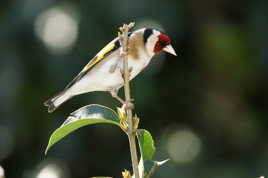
point(151, 44)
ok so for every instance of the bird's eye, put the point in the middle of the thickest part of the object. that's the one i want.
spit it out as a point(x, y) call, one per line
point(162, 42)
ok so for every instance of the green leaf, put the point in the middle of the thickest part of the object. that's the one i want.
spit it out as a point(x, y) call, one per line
point(150, 166)
point(87, 115)
point(146, 144)
point(147, 149)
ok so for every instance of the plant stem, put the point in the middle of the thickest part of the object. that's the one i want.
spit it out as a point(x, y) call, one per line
point(131, 132)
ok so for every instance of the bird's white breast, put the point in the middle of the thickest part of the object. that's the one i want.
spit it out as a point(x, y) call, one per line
point(101, 78)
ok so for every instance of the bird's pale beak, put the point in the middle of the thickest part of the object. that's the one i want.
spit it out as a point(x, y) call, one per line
point(169, 49)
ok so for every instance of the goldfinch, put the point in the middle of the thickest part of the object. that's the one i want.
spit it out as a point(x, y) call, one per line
point(104, 71)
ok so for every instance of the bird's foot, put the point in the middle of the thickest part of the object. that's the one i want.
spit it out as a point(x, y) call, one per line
point(128, 106)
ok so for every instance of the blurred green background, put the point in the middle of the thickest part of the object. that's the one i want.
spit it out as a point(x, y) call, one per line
point(206, 108)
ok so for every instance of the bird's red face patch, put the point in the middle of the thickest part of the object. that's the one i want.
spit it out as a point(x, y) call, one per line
point(163, 41)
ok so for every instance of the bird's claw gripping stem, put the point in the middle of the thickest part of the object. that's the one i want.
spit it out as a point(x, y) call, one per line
point(128, 106)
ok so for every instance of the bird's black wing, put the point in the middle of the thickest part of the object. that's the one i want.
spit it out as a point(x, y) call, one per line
point(106, 51)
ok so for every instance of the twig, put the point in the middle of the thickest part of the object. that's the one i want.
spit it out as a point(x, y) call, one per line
point(131, 131)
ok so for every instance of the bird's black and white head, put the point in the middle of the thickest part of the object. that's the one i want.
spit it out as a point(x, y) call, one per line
point(156, 41)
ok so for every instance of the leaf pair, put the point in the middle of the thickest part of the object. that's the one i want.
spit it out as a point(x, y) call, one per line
point(94, 114)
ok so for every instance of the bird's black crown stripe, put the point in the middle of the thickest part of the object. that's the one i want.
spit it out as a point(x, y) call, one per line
point(147, 33)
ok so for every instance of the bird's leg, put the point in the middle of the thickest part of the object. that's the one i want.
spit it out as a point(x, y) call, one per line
point(114, 66)
point(123, 102)
point(114, 95)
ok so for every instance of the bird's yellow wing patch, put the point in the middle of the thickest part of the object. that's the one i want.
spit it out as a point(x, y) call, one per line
point(100, 56)
point(107, 50)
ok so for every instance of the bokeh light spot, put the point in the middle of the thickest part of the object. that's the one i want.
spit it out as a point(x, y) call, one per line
point(52, 168)
point(57, 29)
point(183, 146)
point(50, 171)
point(2, 172)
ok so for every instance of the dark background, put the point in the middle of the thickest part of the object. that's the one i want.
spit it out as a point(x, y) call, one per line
point(206, 108)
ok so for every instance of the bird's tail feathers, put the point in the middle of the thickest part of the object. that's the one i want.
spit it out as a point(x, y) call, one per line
point(54, 102)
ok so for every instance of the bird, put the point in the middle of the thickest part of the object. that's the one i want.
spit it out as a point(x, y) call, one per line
point(104, 71)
